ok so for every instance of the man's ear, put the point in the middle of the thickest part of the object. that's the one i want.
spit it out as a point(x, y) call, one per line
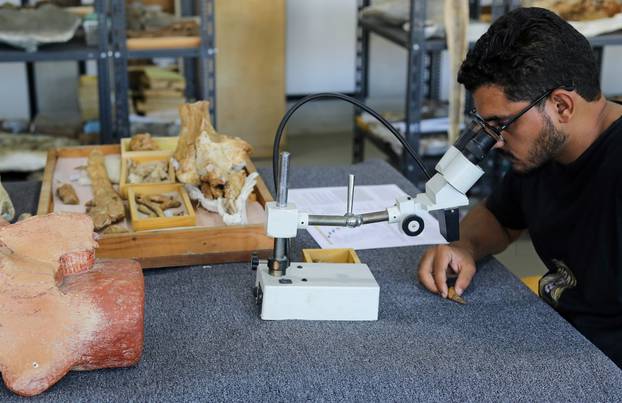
point(564, 103)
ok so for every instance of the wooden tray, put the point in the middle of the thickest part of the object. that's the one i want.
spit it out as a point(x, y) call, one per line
point(169, 247)
point(343, 255)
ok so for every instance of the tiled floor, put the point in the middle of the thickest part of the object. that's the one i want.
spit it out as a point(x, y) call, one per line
point(336, 149)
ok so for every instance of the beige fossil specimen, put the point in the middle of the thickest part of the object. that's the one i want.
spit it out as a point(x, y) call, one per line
point(212, 162)
point(106, 207)
point(67, 194)
point(60, 309)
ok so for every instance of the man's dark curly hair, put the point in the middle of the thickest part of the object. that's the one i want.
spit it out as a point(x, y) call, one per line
point(529, 51)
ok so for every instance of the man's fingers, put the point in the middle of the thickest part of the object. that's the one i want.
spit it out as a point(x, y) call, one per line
point(424, 272)
point(467, 271)
point(441, 262)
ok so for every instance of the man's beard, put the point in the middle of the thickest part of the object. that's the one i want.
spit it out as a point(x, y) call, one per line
point(548, 144)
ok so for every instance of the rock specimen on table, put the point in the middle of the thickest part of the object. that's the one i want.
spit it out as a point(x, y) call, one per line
point(143, 142)
point(213, 164)
point(60, 309)
point(7, 211)
point(67, 194)
point(106, 208)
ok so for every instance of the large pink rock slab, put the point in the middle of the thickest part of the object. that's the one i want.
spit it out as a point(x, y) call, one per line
point(60, 309)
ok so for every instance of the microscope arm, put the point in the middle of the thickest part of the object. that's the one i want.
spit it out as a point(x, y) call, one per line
point(446, 190)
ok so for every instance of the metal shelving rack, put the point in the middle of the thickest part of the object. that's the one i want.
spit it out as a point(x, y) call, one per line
point(424, 58)
point(74, 50)
point(205, 55)
point(419, 50)
point(112, 55)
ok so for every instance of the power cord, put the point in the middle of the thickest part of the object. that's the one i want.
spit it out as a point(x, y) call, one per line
point(353, 101)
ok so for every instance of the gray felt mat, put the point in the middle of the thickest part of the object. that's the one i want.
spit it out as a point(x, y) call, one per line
point(204, 339)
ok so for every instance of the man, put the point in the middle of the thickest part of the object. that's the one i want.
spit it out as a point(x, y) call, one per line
point(535, 82)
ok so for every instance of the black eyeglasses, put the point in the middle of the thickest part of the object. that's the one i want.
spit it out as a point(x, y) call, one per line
point(496, 131)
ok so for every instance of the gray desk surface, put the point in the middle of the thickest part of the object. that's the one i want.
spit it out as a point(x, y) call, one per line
point(204, 339)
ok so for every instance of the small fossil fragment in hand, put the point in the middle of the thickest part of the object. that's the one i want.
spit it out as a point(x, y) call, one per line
point(453, 296)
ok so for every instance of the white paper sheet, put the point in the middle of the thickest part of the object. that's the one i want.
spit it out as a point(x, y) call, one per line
point(367, 199)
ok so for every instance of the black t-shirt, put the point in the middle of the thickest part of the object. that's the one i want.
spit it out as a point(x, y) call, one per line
point(574, 216)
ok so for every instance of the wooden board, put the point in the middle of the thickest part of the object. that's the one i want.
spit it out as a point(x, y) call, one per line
point(250, 65)
point(169, 247)
point(168, 42)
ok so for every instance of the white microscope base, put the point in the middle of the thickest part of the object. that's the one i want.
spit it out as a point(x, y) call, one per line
point(319, 291)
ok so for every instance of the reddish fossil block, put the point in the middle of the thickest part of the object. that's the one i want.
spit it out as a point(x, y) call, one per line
point(60, 309)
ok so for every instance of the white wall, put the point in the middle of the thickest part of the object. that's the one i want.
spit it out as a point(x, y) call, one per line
point(611, 81)
point(319, 46)
point(14, 102)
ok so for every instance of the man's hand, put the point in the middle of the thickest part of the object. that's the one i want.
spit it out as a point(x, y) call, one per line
point(442, 259)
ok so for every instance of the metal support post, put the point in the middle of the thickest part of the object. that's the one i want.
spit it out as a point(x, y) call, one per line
point(121, 86)
point(415, 86)
point(192, 92)
point(361, 77)
point(103, 72)
point(435, 75)
point(207, 55)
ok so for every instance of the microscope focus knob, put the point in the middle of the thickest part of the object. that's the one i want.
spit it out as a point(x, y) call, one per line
point(254, 261)
point(413, 225)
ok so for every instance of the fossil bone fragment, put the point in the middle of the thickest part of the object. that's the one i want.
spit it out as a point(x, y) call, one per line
point(145, 210)
point(157, 204)
point(147, 172)
point(67, 194)
point(106, 207)
point(7, 211)
point(24, 216)
point(453, 296)
point(143, 142)
point(212, 164)
point(60, 309)
point(115, 229)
